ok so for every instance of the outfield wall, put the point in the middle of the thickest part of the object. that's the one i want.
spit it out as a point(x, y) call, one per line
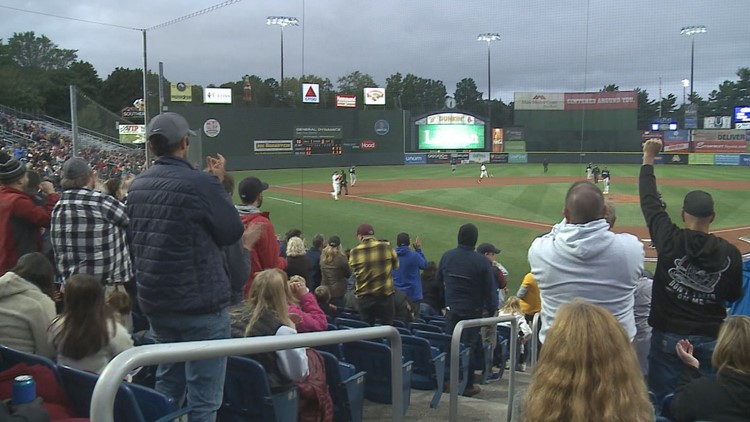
point(574, 158)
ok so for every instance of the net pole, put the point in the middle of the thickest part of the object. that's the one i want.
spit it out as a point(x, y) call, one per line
point(74, 118)
point(145, 96)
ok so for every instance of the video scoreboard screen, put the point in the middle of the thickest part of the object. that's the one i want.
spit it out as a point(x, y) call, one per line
point(317, 146)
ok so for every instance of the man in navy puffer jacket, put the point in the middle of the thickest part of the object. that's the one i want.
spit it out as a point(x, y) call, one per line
point(180, 218)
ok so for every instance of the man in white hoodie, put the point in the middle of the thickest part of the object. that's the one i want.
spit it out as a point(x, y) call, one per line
point(582, 258)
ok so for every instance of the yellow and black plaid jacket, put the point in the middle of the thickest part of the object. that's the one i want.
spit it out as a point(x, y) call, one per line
point(372, 262)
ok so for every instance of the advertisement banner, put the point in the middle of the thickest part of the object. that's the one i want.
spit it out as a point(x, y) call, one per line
point(452, 119)
point(374, 96)
point(717, 122)
point(181, 92)
point(479, 157)
point(311, 93)
point(518, 158)
point(737, 147)
point(217, 95)
point(513, 134)
point(675, 159)
point(617, 100)
point(701, 159)
point(515, 146)
point(720, 135)
point(742, 125)
point(727, 159)
point(497, 139)
point(745, 160)
point(132, 134)
point(445, 157)
point(677, 135)
point(346, 101)
point(273, 146)
point(676, 146)
point(319, 132)
point(499, 158)
point(539, 101)
point(415, 158)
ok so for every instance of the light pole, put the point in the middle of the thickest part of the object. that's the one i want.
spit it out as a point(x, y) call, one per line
point(691, 31)
point(685, 84)
point(489, 37)
point(282, 22)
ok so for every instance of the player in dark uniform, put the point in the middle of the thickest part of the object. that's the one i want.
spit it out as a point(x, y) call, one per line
point(344, 185)
point(453, 165)
point(353, 175)
point(545, 163)
point(595, 171)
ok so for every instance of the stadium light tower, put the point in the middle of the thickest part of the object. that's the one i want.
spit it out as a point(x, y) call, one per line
point(488, 38)
point(692, 31)
point(282, 22)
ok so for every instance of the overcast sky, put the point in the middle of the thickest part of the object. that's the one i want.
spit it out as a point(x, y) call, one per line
point(547, 46)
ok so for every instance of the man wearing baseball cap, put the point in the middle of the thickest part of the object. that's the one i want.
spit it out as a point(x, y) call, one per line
point(180, 218)
point(266, 253)
point(696, 274)
point(21, 220)
point(372, 263)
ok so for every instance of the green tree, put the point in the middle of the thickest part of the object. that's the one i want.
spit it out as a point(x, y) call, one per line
point(419, 95)
point(730, 94)
point(123, 86)
point(468, 98)
point(32, 52)
point(647, 110)
point(667, 105)
point(610, 88)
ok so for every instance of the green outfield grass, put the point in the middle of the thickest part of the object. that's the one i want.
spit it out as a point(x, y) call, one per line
point(539, 203)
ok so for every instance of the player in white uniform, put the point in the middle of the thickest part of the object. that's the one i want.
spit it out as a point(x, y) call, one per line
point(605, 179)
point(482, 173)
point(352, 175)
point(336, 184)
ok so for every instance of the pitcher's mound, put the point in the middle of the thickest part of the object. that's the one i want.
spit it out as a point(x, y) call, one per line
point(621, 198)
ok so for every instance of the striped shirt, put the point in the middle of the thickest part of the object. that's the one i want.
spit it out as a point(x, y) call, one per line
point(372, 262)
point(88, 236)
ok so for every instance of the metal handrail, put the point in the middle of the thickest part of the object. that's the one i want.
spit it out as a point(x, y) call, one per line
point(455, 344)
point(103, 400)
point(535, 338)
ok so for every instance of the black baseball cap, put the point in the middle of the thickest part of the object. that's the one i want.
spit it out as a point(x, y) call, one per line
point(250, 188)
point(334, 241)
point(402, 239)
point(487, 247)
point(698, 204)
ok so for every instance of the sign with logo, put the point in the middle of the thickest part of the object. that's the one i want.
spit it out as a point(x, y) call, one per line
point(415, 158)
point(515, 146)
point(451, 119)
point(745, 160)
point(601, 100)
point(479, 157)
point(720, 146)
point(498, 158)
point(745, 125)
point(691, 116)
point(674, 158)
point(539, 101)
point(676, 135)
point(311, 93)
point(132, 134)
point(367, 145)
point(211, 128)
point(497, 139)
point(217, 95)
point(676, 146)
point(717, 122)
point(727, 159)
point(518, 158)
point(265, 146)
point(181, 92)
point(346, 101)
point(719, 135)
point(132, 113)
point(701, 159)
point(513, 134)
point(374, 96)
point(319, 132)
point(382, 127)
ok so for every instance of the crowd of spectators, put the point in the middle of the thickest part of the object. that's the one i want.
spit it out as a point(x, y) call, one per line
point(198, 267)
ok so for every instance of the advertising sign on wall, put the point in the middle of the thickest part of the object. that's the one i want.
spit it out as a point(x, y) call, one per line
point(497, 139)
point(311, 93)
point(211, 128)
point(479, 157)
point(374, 96)
point(513, 134)
point(675, 158)
point(276, 146)
point(346, 101)
point(601, 100)
point(745, 160)
point(415, 158)
point(676, 146)
point(181, 92)
point(717, 122)
point(539, 101)
point(515, 146)
point(720, 146)
point(499, 158)
point(727, 159)
point(451, 119)
point(701, 159)
point(676, 135)
point(719, 135)
point(217, 95)
point(132, 134)
point(451, 136)
point(518, 158)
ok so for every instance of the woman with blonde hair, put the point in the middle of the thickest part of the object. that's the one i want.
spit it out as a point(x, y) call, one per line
point(726, 398)
point(587, 371)
point(334, 270)
point(297, 261)
point(512, 307)
point(265, 314)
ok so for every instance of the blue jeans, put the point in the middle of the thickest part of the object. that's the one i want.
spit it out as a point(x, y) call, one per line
point(665, 367)
point(204, 379)
point(427, 310)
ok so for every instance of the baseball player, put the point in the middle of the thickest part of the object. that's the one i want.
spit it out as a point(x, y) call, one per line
point(482, 173)
point(453, 165)
point(336, 184)
point(352, 175)
point(589, 171)
point(605, 179)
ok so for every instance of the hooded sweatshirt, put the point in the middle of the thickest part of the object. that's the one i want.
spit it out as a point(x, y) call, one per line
point(696, 273)
point(26, 313)
point(742, 305)
point(266, 251)
point(723, 399)
point(406, 277)
point(590, 262)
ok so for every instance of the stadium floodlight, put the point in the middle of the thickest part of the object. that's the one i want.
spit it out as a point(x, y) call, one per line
point(692, 31)
point(655, 126)
point(685, 84)
point(282, 22)
point(672, 125)
point(488, 38)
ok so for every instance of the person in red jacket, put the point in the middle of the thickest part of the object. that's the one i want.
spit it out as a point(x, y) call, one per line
point(21, 220)
point(265, 254)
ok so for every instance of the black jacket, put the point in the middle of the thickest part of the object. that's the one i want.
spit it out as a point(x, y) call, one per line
point(696, 272)
point(724, 399)
point(468, 281)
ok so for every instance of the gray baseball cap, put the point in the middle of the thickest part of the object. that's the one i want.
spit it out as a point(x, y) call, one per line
point(169, 125)
point(74, 168)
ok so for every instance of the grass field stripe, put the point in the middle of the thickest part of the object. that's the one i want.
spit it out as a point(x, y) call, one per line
point(435, 209)
point(284, 200)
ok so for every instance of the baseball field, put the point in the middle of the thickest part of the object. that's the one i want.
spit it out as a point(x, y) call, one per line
point(510, 209)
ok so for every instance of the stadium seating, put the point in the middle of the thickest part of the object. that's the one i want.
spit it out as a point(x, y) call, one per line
point(443, 343)
point(248, 397)
point(347, 389)
point(11, 357)
point(426, 327)
point(428, 371)
point(351, 323)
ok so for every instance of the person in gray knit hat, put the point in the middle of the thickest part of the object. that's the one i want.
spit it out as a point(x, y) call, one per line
point(21, 220)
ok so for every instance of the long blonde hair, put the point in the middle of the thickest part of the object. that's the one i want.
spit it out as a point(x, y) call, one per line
point(330, 253)
point(268, 294)
point(512, 306)
point(732, 351)
point(587, 371)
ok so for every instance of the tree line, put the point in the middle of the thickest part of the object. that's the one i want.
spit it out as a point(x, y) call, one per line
point(35, 74)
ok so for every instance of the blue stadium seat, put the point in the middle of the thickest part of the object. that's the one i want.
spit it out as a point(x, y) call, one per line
point(248, 397)
point(332, 327)
point(665, 406)
point(399, 324)
point(351, 323)
point(11, 357)
point(375, 359)
point(438, 323)
point(443, 343)
point(428, 371)
point(347, 388)
point(425, 327)
point(334, 349)
point(349, 315)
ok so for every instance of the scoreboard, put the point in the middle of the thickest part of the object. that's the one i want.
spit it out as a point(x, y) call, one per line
point(316, 140)
point(317, 146)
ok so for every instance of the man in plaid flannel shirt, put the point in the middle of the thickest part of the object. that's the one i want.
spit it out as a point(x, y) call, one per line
point(88, 229)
